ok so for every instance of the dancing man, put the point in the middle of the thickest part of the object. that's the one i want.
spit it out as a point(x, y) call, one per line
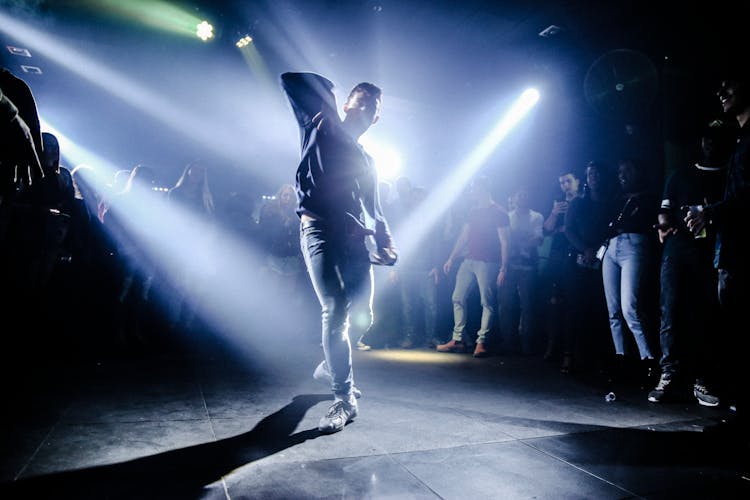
point(337, 196)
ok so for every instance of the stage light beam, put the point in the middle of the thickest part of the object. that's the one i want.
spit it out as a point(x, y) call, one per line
point(421, 221)
point(446, 193)
point(76, 154)
point(157, 14)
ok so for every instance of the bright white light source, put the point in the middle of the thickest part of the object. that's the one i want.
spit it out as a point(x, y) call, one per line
point(387, 160)
point(204, 31)
point(245, 40)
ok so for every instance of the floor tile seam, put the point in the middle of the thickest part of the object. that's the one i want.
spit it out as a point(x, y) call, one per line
point(591, 427)
point(52, 428)
point(120, 422)
point(393, 454)
point(206, 412)
point(393, 457)
point(484, 415)
point(261, 462)
point(406, 469)
point(594, 428)
point(483, 423)
point(609, 428)
point(580, 398)
point(673, 422)
point(225, 488)
point(410, 402)
point(388, 455)
point(36, 450)
point(396, 454)
point(579, 468)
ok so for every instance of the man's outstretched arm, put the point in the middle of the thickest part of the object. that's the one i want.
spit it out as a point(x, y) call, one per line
point(309, 94)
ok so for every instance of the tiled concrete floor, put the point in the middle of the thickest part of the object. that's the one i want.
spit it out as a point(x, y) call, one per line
point(431, 426)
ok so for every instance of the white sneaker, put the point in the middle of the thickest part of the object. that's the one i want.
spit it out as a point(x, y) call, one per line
point(339, 414)
point(704, 397)
point(361, 346)
point(661, 390)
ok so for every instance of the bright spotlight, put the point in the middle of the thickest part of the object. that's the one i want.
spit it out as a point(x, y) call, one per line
point(387, 160)
point(245, 40)
point(204, 31)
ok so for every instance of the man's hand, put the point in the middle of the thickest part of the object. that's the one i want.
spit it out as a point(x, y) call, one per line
point(357, 228)
point(501, 277)
point(434, 274)
point(385, 256)
point(589, 256)
point(664, 228)
point(696, 219)
point(448, 265)
point(559, 207)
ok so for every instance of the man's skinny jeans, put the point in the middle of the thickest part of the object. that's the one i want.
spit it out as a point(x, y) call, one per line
point(339, 269)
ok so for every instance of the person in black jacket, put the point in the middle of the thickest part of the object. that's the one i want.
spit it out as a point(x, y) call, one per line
point(731, 219)
point(688, 302)
point(337, 199)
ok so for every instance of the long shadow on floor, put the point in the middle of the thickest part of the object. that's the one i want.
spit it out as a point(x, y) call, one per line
point(181, 473)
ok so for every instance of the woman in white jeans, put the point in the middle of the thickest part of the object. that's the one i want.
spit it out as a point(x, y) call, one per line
point(630, 253)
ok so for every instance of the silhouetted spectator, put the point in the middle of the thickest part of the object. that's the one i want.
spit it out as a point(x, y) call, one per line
point(689, 304)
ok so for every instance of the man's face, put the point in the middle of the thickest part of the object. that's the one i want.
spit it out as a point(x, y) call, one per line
point(568, 183)
point(627, 175)
point(592, 177)
point(50, 156)
point(288, 196)
point(734, 96)
point(521, 199)
point(362, 110)
point(196, 174)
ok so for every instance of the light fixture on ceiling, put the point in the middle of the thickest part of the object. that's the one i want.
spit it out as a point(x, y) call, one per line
point(18, 51)
point(550, 31)
point(204, 31)
point(245, 40)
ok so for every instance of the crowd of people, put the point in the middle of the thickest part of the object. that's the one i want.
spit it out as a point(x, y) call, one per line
point(616, 278)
